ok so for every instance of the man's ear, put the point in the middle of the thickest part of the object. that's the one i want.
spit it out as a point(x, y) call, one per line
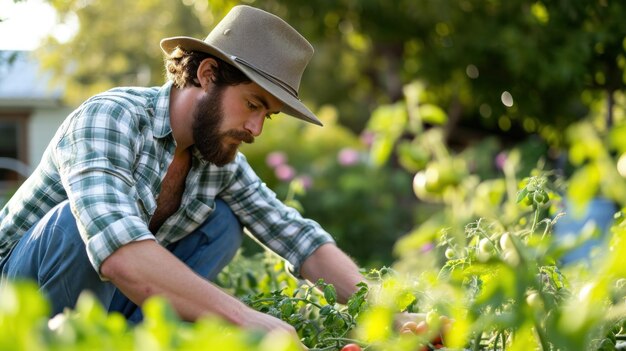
point(206, 73)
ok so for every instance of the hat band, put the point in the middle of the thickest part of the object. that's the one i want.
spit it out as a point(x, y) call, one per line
point(286, 87)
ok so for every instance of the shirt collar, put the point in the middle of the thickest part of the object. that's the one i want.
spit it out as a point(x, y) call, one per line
point(162, 126)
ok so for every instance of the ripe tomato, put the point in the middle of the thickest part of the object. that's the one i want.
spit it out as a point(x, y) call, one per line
point(351, 347)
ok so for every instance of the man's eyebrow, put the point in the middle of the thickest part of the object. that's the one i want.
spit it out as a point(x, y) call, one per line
point(264, 102)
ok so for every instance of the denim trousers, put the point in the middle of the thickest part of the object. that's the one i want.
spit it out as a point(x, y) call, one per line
point(53, 255)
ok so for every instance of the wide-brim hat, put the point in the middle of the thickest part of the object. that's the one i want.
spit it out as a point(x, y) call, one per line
point(264, 47)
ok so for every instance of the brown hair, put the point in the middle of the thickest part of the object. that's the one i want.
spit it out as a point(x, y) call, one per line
point(181, 67)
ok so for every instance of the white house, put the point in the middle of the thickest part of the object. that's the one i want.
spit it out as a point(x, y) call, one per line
point(30, 112)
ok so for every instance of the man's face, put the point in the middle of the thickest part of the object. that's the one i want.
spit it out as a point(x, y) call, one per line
point(226, 116)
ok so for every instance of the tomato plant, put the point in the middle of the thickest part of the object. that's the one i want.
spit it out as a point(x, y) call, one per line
point(497, 266)
point(313, 311)
point(485, 272)
point(500, 280)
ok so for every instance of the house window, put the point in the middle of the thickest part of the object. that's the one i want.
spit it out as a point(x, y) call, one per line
point(13, 150)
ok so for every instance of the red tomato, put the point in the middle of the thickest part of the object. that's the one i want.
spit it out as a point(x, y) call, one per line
point(351, 347)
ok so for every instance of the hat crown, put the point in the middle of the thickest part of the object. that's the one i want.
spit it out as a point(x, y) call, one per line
point(264, 47)
point(264, 42)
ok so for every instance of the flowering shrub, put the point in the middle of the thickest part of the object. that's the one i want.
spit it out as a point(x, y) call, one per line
point(327, 174)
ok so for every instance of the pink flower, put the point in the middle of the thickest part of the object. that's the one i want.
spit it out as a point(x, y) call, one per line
point(284, 172)
point(427, 247)
point(367, 138)
point(306, 181)
point(348, 157)
point(500, 160)
point(275, 159)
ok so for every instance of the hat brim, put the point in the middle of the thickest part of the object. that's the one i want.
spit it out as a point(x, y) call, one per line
point(292, 105)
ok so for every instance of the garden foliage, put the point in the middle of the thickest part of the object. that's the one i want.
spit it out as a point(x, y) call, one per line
point(473, 225)
point(489, 258)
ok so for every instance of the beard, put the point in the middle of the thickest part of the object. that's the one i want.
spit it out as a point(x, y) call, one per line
point(210, 141)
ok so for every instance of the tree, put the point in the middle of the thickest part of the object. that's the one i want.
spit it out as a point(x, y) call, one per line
point(501, 65)
point(117, 43)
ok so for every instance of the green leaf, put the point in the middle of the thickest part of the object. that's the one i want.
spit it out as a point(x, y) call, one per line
point(433, 114)
point(381, 150)
point(286, 309)
point(330, 294)
point(325, 310)
point(521, 195)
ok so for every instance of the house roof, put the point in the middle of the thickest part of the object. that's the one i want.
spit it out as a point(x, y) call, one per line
point(23, 84)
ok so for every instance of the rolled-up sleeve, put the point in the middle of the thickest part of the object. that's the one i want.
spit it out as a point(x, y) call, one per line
point(280, 228)
point(95, 159)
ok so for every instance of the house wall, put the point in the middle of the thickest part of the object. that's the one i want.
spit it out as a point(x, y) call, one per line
point(42, 125)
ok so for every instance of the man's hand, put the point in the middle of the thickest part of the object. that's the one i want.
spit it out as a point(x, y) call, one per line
point(261, 321)
point(402, 318)
point(264, 322)
point(143, 269)
point(430, 325)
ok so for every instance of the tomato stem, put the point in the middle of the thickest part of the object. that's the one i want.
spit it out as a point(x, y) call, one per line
point(535, 220)
point(476, 346)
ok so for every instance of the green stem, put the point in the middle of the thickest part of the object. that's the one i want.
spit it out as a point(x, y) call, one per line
point(347, 340)
point(298, 299)
point(495, 341)
point(541, 336)
point(290, 194)
point(343, 340)
point(535, 220)
point(476, 346)
point(545, 231)
point(331, 347)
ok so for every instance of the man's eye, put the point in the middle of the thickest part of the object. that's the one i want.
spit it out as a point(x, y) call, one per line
point(251, 105)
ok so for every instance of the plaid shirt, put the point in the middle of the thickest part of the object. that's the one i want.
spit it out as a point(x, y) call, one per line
point(109, 158)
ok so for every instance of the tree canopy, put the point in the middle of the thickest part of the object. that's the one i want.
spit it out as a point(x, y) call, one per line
point(522, 65)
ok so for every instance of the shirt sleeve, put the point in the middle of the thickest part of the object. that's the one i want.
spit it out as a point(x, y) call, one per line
point(95, 157)
point(279, 227)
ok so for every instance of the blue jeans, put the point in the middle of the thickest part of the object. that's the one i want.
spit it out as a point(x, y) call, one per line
point(53, 254)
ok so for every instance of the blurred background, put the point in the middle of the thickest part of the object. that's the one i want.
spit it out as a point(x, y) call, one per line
point(489, 75)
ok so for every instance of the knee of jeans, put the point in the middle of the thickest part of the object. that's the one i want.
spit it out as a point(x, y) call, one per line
point(64, 221)
point(61, 233)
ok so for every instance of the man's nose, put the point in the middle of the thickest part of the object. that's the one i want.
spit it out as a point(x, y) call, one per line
point(254, 125)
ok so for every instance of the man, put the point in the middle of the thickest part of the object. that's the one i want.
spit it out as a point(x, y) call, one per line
point(142, 192)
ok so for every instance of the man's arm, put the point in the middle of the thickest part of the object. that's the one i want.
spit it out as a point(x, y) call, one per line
point(335, 267)
point(144, 268)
